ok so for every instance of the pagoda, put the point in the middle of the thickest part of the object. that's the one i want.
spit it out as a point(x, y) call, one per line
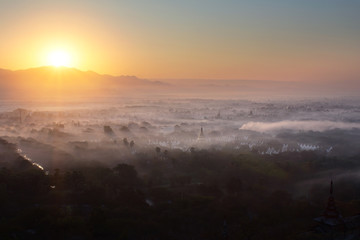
point(331, 225)
point(201, 134)
point(331, 215)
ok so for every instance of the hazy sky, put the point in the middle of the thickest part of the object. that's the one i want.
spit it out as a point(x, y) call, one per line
point(224, 39)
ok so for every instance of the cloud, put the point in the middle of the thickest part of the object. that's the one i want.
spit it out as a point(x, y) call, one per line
point(319, 126)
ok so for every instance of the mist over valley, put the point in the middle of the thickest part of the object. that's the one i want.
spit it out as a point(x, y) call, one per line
point(179, 120)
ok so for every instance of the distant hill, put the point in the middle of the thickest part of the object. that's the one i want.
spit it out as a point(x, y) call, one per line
point(70, 83)
point(45, 82)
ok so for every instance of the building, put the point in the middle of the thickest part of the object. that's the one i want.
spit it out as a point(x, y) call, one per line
point(331, 225)
point(201, 135)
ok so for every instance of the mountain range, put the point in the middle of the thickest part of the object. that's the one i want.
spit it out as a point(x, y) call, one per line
point(61, 82)
point(51, 81)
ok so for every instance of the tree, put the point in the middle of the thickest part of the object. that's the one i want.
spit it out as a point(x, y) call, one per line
point(126, 174)
point(234, 185)
point(126, 142)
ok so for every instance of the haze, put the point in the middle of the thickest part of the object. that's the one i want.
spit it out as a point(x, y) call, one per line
point(180, 120)
point(262, 40)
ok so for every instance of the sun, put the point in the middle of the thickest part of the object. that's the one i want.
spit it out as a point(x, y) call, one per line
point(59, 58)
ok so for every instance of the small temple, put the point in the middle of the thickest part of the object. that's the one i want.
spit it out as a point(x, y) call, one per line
point(201, 135)
point(331, 215)
point(331, 225)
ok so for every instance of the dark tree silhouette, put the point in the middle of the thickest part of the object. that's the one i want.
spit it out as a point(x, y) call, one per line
point(126, 142)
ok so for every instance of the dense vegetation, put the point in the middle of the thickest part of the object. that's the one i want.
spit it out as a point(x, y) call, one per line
point(175, 195)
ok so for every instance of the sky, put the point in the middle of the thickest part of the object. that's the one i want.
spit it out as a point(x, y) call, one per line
point(285, 40)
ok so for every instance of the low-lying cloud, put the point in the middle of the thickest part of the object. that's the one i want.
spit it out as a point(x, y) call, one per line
point(319, 126)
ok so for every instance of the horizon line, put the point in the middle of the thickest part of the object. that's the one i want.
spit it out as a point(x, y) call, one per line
point(153, 79)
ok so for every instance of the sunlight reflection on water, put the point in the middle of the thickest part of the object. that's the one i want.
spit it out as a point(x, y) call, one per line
point(29, 159)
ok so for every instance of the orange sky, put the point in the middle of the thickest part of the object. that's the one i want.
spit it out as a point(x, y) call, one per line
point(206, 39)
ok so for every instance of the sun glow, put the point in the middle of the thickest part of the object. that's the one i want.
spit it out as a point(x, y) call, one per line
point(59, 58)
